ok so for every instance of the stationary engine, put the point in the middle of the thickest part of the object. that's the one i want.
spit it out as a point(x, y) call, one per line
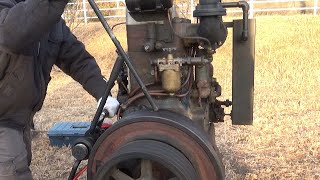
point(168, 94)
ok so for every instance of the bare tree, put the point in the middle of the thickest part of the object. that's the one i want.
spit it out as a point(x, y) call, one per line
point(73, 14)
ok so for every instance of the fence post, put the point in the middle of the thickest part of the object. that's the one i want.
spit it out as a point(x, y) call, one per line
point(315, 7)
point(84, 2)
point(251, 10)
point(118, 4)
point(191, 9)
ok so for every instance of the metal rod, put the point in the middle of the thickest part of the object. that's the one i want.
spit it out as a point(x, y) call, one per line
point(113, 77)
point(123, 54)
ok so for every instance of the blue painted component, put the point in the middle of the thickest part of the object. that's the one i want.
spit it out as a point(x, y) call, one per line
point(65, 133)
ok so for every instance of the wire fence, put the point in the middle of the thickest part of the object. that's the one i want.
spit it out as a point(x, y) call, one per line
point(80, 10)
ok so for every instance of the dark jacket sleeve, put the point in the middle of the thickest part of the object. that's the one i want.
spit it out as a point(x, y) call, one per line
point(24, 23)
point(75, 61)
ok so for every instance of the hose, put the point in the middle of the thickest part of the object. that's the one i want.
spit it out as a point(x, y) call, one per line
point(80, 172)
point(74, 169)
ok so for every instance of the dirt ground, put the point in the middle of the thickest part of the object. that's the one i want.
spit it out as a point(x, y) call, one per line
point(283, 143)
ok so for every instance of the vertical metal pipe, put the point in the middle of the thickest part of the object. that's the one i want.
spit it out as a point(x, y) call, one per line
point(245, 8)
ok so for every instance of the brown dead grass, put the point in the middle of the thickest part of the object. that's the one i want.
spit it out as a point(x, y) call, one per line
point(284, 142)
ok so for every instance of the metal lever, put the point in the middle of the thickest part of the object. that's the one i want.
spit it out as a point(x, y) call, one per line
point(113, 77)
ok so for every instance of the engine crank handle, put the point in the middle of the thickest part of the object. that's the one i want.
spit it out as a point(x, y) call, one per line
point(123, 53)
point(113, 77)
point(103, 115)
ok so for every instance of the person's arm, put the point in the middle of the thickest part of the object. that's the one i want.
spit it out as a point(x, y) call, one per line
point(76, 61)
point(23, 24)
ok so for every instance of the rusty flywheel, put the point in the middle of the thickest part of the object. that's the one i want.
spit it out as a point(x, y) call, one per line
point(154, 146)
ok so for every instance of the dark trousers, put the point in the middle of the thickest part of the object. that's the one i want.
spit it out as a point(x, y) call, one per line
point(15, 154)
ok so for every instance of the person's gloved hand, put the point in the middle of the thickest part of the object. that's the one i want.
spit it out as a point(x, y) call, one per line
point(111, 106)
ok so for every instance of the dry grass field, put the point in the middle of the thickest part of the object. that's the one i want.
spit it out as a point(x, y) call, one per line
point(283, 143)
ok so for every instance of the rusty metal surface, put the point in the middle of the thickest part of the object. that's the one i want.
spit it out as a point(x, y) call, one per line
point(138, 36)
point(204, 75)
point(176, 130)
point(148, 160)
point(173, 58)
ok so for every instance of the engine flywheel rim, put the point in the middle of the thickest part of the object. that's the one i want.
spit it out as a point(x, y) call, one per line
point(158, 161)
point(170, 128)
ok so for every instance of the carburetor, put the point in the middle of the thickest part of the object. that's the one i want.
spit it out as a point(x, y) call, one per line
point(170, 74)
